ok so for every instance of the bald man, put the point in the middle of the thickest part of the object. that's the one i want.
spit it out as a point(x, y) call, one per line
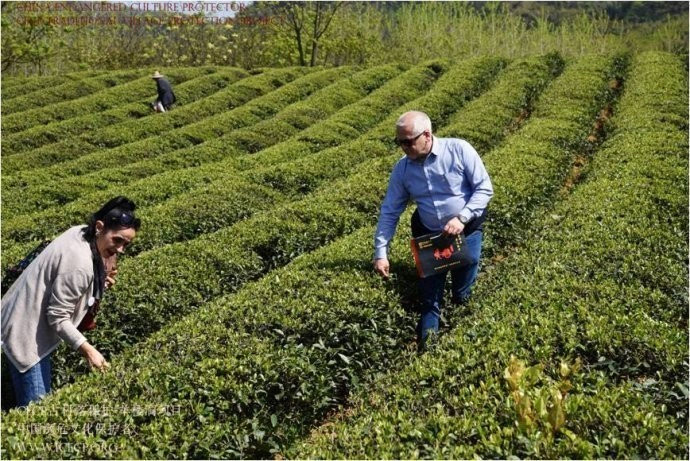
point(450, 186)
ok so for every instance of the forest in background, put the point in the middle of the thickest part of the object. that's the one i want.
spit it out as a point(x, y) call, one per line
point(275, 34)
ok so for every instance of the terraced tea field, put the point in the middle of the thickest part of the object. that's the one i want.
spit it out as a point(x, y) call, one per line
point(247, 321)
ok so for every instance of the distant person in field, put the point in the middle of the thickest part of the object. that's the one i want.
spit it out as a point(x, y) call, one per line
point(450, 186)
point(166, 97)
point(57, 296)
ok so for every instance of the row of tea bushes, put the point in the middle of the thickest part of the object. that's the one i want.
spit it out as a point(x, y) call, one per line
point(47, 187)
point(161, 187)
point(16, 86)
point(230, 134)
point(110, 110)
point(547, 144)
point(601, 283)
point(266, 367)
point(121, 93)
point(351, 200)
point(316, 352)
point(230, 263)
point(517, 87)
point(517, 96)
point(46, 97)
point(62, 105)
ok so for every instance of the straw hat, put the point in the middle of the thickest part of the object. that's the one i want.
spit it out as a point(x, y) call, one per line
point(157, 75)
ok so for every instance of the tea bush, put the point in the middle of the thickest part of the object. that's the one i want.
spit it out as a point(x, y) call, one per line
point(59, 94)
point(13, 87)
point(592, 285)
point(157, 188)
point(242, 262)
point(104, 110)
point(252, 373)
point(48, 186)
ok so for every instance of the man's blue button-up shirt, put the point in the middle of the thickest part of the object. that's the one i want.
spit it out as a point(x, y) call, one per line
point(451, 181)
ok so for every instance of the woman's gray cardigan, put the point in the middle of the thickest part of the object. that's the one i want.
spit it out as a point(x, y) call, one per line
point(48, 300)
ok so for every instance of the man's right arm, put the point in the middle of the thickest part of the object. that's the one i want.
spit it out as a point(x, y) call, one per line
point(392, 207)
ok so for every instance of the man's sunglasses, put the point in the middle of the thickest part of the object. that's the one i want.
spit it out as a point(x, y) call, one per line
point(407, 142)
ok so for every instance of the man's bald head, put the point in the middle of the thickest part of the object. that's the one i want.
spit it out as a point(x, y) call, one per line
point(413, 122)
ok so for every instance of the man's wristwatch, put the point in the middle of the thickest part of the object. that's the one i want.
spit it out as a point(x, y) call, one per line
point(464, 220)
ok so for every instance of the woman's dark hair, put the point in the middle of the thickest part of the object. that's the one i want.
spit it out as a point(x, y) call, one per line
point(117, 213)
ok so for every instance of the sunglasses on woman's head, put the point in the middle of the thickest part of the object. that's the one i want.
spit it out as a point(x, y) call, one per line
point(123, 219)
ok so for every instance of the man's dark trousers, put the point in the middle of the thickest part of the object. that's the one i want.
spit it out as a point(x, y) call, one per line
point(462, 278)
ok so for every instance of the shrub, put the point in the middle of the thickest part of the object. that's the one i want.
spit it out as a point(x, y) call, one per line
point(61, 93)
point(333, 211)
point(345, 209)
point(47, 186)
point(161, 187)
point(109, 109)
point(599, 283)
point(13, 87)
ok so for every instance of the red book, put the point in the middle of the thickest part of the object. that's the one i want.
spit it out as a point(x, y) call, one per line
point(436, 253)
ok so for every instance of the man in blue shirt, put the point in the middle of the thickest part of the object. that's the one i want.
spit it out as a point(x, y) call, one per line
point(450, 185)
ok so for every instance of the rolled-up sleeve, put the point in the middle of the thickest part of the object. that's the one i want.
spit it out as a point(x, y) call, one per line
point(393, 205)
point(67, 290)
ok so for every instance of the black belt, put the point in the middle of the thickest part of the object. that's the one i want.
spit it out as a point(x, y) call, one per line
point(475, 224)
point(419, 229)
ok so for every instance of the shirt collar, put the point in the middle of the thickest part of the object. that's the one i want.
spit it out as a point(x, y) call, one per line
point(436, 148)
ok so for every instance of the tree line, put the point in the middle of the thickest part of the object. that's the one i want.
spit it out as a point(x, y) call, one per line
point(276, 34)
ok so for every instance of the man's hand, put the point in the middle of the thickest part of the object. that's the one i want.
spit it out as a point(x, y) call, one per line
point(93, 357)
point(382, 267)
point(453, 227)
